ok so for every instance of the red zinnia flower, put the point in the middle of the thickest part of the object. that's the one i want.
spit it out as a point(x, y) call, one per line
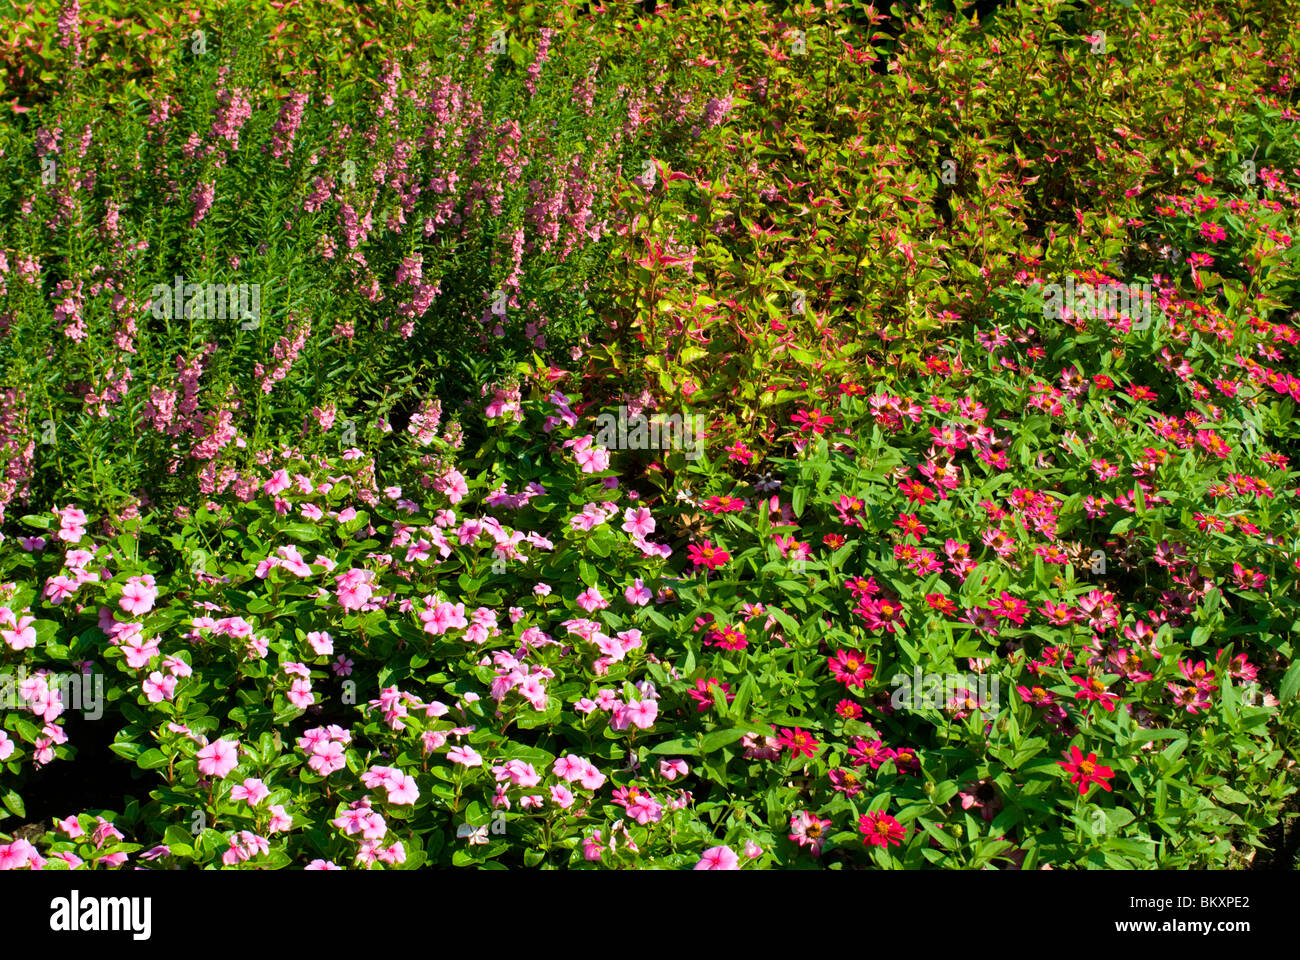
point(703, 692)
point(915, 491)
point(844, 781)
point(1086, 771)
point(1009, 608)
point(728, 638)
point(911, 526)
point(881, 830)
point(866, 751)
point(708, 555)
point(1038, 696)
point(850, 668)
point(798, 741)
point(723, 504)
point(812, 420)
point(848, 709)
point(849, 508)
point(941, 603)
point(1094, 689)
point(1212, 232)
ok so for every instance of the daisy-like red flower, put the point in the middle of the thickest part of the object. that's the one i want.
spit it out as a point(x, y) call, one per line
point(850, 668)
point(833, 540)
point(723, 504)
point(916, 491)
point(707, 555)
point(850, 509)
point(911, 526)
point(1085, 771)
point(1038, 696)
point(703, 692)
point(866, 751)
point(1141, 393)
point(728, 637)
point(812, 420)
point(879, 829)
point(1061, 614)
point(1009, 608)
point(1212, 232)
point(905, 759)
point(885, 613)
point(798, 741)
point(1094, 689)
point(938, 601)
point(845, 782)
point(848, 710)
point(738, 451)
point(862, 586)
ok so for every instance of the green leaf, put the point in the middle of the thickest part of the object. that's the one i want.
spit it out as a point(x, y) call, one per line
point(1290, 683)
point(720, 738)
point(1226, 794)
point(13, 803)
point(152, 759)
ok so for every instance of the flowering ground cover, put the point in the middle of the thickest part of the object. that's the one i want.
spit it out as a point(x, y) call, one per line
point(700, 437)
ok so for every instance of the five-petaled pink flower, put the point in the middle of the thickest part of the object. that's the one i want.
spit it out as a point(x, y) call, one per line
point(718, 858)
point(217, 759)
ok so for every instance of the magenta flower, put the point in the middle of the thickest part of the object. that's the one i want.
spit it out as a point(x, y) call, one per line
point(1213, 232)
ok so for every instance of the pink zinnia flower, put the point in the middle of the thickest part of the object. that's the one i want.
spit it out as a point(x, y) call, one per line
point(807, 829)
